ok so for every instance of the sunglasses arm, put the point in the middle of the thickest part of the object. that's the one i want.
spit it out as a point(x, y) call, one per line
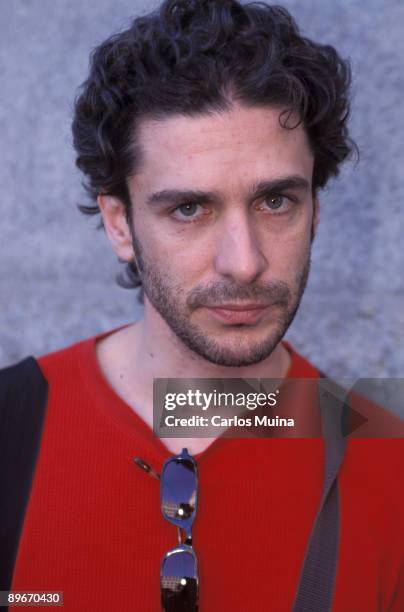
point(146, 467)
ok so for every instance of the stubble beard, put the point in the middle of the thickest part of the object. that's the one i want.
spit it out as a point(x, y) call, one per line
point(176, 309)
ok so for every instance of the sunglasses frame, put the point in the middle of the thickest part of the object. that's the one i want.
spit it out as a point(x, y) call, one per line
point(181, 524)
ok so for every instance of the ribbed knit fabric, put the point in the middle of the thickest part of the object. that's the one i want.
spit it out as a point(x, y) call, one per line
point(93, 527)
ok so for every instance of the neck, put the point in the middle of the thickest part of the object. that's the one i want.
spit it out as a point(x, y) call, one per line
point(133, 356)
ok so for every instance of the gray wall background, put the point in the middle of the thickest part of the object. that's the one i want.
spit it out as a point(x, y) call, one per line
point(57, 272)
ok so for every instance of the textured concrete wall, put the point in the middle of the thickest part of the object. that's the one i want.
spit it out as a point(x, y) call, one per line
point(57, 272)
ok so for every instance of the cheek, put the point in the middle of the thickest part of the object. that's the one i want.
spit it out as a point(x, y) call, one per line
point(181, 247)
point(181, 261)
point(286, 252)
point(288, 233)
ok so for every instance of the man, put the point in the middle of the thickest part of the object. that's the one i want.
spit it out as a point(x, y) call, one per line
point(205, 132)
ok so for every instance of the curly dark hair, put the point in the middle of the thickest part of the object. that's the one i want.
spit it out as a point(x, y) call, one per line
point(184, 58)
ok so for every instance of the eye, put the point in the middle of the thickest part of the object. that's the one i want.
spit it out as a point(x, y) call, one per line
point(275, 202)
point(188, 210)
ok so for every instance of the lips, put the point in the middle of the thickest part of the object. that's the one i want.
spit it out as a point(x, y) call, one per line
point(241, 307)
point(237, 314)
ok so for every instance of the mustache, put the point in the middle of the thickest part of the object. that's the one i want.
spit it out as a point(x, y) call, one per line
point(273, 292)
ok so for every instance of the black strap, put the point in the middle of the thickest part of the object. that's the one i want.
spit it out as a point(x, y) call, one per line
point(23, 399)
point(317, 581)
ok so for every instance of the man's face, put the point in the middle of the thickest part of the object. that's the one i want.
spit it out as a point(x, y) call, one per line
point(223, 216)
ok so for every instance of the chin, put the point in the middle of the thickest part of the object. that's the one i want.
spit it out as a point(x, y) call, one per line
point(235, 360)
point(237, 354)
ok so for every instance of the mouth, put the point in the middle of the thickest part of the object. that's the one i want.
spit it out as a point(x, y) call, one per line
point(238, 314)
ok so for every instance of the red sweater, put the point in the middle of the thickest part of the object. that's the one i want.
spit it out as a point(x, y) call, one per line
point(93, 527)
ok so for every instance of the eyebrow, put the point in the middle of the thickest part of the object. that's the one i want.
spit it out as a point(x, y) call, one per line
point(258, 190)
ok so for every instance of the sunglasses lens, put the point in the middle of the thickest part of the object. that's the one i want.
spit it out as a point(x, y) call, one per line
point(179, 582)
point(178, 490)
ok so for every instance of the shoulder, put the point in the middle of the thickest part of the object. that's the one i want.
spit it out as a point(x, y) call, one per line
point(60, 364)
point(367, 418)
point(300, 367)
point(377, 421)
point(64, 360)
point(21, 379)
point(33, 375)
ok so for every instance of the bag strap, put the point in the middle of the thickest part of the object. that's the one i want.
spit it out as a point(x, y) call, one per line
point(317, 581)
point(23, 399)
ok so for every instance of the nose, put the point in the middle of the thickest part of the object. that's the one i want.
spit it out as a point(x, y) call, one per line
point(238, 251)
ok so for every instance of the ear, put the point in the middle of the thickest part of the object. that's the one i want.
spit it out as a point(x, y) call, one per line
point(316, 215)
point(116, 226)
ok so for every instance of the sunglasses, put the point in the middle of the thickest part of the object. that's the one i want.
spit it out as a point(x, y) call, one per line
point(179, 582)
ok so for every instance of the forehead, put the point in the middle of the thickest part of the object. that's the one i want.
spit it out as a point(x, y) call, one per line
point(231, 146)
